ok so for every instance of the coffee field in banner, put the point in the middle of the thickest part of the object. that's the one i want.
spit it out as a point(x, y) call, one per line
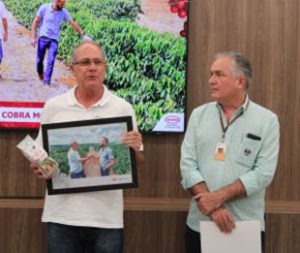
point(145, 67)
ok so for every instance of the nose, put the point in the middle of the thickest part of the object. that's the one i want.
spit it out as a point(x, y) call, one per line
point(211, 80)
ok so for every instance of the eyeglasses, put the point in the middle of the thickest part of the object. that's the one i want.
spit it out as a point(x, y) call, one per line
point(88, 62)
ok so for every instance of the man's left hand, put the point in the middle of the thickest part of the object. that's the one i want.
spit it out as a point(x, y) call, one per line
point(223, 219)
point(133, 139)
point(209, 202)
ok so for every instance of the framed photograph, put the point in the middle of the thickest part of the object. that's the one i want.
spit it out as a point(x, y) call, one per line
point(90, 155)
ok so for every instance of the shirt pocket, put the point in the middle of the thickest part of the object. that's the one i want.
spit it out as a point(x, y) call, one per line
point(247, 151)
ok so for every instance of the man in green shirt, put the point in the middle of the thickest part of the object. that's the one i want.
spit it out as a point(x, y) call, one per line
point(229, 153)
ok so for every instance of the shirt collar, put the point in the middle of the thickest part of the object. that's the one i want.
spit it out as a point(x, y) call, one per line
point(243, 107)
point(72, 100)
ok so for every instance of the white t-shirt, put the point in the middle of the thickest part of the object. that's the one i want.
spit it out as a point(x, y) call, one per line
point(102, 209)
point(2, 16)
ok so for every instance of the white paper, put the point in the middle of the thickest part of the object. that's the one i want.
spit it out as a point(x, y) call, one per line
point(246, 238)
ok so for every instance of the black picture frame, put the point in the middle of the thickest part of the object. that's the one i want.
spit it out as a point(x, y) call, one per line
point(59, 140)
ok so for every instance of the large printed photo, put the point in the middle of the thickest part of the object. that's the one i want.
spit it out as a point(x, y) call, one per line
point(90, 155)
point(145, 42)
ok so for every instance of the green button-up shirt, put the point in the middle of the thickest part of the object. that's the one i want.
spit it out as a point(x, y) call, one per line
point(250, 158)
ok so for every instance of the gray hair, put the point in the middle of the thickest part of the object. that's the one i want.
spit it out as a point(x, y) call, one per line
point(74, 51)
point(241, 65)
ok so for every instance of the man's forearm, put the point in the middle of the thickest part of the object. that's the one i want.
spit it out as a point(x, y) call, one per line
point(233, 191)
point(5, 26)
point(221, 216)
point(198, 188)
point(34, 28)
point(110, 164)
point(77, 27)
point(209, 202)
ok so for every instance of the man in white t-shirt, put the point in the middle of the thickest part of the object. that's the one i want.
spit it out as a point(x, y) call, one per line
point(4, 33)
point(92, 221)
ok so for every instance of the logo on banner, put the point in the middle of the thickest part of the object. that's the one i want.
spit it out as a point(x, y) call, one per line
point(172, 119)
point(170, 122)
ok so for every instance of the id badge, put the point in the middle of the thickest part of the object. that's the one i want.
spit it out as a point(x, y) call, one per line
point(220, 151)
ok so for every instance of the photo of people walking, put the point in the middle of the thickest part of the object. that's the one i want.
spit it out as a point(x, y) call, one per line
point(143, 41)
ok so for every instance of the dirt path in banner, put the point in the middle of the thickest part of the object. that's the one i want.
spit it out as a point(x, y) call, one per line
point(20, 80)
point(157, 17)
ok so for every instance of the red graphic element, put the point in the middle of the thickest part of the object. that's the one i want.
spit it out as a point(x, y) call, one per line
point(180, 7)
point(19, 116)
point(174, 9)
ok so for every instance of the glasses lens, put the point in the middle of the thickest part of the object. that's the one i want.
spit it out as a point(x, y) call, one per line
point(87, 62)
point(98, 62)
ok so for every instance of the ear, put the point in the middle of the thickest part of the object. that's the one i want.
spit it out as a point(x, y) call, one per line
point(242, 82)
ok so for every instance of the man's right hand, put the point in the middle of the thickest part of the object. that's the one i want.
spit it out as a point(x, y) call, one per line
point(33, 42)
point(37, 170)
point(223, 219)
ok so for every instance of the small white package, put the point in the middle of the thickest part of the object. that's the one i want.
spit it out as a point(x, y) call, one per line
point(36, 154)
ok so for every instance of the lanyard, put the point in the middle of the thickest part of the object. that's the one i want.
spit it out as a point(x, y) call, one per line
point(224, 129)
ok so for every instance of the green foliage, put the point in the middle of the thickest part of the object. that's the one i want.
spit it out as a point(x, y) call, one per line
point(23, 10)
point(60, 155)
point(144, 67)
point(125, 10)
point(121, 154)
